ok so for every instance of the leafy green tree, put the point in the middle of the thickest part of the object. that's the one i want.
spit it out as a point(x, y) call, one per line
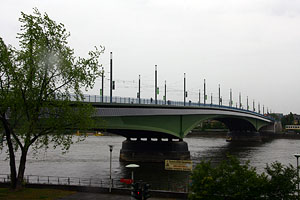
point(287, 119)
point(229, 180)
point(36, 83)
point(233, 180)
point(282, 181)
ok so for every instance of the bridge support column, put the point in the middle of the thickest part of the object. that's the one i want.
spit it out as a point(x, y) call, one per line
point(154, 151)
point(243, 136)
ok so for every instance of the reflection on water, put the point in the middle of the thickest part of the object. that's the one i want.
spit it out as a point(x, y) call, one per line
point(90, 158)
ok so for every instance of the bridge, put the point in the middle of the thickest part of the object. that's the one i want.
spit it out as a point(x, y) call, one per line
point(155, 132)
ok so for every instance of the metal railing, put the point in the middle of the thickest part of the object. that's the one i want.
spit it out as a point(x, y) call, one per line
point(129, 100)
point(93, 182)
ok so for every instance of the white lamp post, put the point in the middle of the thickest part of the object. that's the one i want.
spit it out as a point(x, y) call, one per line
point(132, 166)
point(297, 155)
point(110, 180)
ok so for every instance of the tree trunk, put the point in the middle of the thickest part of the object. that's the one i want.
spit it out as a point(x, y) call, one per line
point(22, 169)
point(12, 161)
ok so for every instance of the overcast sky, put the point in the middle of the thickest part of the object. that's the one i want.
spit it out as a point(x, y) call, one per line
point(251, 46)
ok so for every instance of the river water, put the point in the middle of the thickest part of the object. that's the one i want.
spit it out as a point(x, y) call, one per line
point(90, 158)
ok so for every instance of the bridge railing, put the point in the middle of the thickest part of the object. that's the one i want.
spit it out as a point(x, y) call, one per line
point(129, 100)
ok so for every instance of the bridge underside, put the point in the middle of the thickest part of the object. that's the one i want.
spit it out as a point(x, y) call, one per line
point(172, 126)
point(159, 137)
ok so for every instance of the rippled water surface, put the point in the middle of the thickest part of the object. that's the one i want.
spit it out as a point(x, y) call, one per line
point(90, 158)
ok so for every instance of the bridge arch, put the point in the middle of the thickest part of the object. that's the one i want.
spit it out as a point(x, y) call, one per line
point(166, 126)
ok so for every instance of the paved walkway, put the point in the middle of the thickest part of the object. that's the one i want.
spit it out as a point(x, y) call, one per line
point(96, 196)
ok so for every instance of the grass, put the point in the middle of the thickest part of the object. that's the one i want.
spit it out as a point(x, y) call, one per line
point(33, 194)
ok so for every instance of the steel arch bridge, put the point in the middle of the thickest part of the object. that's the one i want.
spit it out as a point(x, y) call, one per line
point(164, 121)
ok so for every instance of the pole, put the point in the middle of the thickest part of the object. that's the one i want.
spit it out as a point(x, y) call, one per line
point(132, 178)
point(184, 92)
point(204, 92)
point(139, 89)
point(111, 81)
point(165, 92)
point(155, 84)
point(230, 103)
point(258, 107)
point(211, 99)
point(247, 103)
point(199, 96)
point(253, 106)
point(102, 85)
point(221, 101)
point(263, 109)
point(240, 101)
point(110, 159)
point(219, 95)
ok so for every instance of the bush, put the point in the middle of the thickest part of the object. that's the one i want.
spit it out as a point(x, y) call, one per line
point(233, 180)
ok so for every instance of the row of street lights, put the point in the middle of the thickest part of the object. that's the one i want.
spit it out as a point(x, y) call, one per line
point(185, 93)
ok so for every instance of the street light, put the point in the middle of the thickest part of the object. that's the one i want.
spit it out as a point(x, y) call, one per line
point(132, 166)
point(297, 155)
point(110, 180)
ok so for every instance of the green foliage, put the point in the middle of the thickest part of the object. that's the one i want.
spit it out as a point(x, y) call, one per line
point(233, 180)
point(282, 181)
point(287, 119)
point(36, 83)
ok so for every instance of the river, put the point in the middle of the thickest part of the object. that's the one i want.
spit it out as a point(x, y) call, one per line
point(90, 158)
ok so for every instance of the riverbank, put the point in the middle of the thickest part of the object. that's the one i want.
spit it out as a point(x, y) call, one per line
point(32, 193)
point(66, 192)
point(216, 133)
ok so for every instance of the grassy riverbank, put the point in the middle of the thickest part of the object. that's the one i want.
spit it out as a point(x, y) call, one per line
point(33, 194)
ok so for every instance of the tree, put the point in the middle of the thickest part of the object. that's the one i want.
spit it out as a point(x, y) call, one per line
point(282, 181)
point(233, 180)
point(287, 119)
point(36, 83)
point(229, 180)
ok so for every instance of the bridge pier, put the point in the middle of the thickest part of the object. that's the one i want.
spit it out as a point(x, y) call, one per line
point(243, 136)
point(154, 151)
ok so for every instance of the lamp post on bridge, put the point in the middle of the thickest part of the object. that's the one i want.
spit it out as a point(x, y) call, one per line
point(253, 105)
point(111, 81)
point(184, 92)
point(102, 84)
point(240, 100)
point(165, 92)
point(205, 92)
point(139, 93)
point(199, 96)
point(155, 84)
point(247, 103)
point(230, 100)
point(219, 95)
